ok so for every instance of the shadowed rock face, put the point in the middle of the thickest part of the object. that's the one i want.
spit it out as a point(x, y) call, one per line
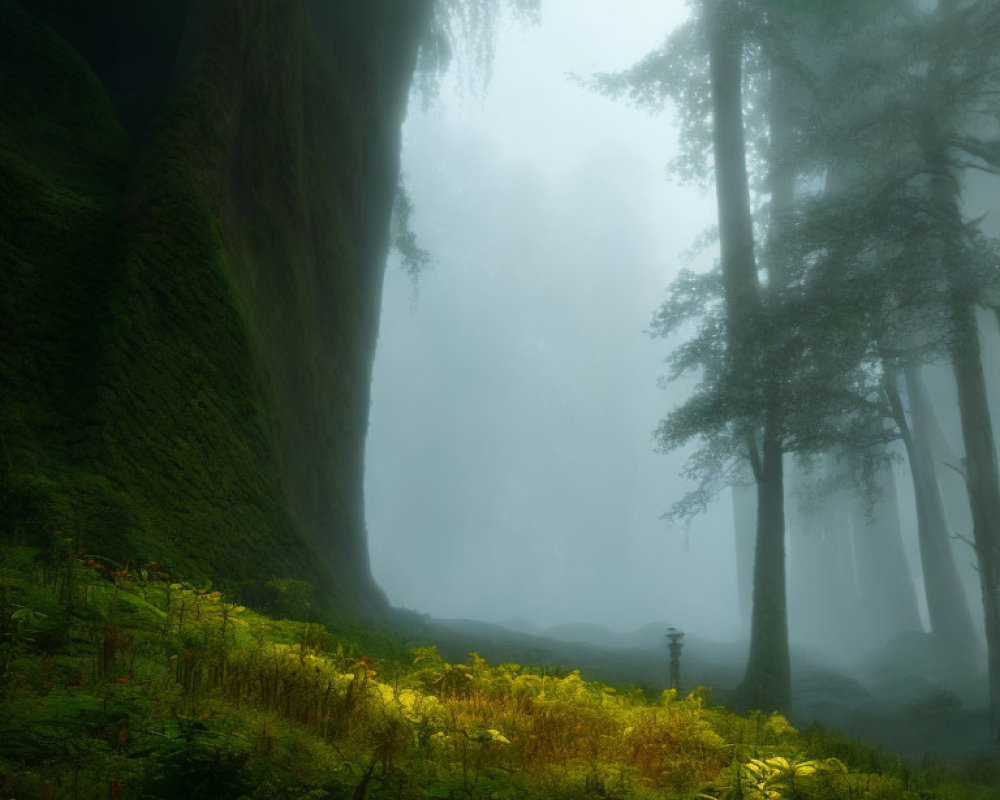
point(190, 267)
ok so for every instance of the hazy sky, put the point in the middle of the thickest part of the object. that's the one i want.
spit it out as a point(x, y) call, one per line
point(511, 471)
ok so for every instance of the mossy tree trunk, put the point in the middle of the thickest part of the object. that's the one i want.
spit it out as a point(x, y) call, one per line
point(233, 334)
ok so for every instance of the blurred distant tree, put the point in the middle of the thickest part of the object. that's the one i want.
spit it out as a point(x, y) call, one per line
point(859, 228)
point(923, 107)
point(947, 608)
point(846, 560)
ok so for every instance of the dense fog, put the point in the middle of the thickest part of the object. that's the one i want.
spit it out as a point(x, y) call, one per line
point(500, 398)
point(511, 473)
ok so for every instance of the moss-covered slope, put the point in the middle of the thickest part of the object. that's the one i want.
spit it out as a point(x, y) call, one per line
point(188, 323)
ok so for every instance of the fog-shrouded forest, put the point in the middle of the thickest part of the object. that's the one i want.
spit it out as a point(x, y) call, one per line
point(568, 213)
point(511, 473)
point(495, 399)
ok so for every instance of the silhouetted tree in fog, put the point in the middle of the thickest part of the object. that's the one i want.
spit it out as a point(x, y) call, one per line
point(778, 374)
point(946, 605)
point(921, 108)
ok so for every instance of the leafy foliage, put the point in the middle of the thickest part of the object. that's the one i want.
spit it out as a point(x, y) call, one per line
point(859, 254)
point(414, 259)
point(465, 31)
point(119, 682)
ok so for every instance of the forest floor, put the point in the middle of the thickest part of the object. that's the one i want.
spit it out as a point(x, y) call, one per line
point(900, 700)
point(119, 682)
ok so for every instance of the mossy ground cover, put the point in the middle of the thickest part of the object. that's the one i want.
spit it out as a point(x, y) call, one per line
point(123, 681)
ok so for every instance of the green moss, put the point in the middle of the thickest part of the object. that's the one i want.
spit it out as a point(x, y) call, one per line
point(188, 423)
point(62, 164)
point(191, 327)
point(54, 110)
point(131, 387)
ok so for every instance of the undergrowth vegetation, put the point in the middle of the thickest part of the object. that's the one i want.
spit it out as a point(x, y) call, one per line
point(118, 681)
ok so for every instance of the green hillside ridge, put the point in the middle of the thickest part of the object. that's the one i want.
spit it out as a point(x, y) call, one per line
point(131, 683)
point(189, 321)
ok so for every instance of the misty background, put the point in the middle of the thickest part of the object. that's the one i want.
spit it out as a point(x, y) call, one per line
point(511, 474)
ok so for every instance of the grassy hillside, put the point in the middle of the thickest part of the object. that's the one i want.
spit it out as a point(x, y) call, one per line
point(133, 683)
point(188, 322)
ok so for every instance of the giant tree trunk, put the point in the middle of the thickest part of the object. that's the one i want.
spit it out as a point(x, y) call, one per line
point(205, 351)
point(736, 241)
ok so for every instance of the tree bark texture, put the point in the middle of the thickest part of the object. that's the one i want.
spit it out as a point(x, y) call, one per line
point(229, 315)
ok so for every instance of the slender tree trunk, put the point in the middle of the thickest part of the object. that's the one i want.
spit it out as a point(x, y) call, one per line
point(822, 585)
point(981, 478)
point(744, 531)
point(948, 465)
point(841, 578)
point(885, 586)
point(982, 482)
point(766, 683)
point(981, 474)
point(946, 604)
